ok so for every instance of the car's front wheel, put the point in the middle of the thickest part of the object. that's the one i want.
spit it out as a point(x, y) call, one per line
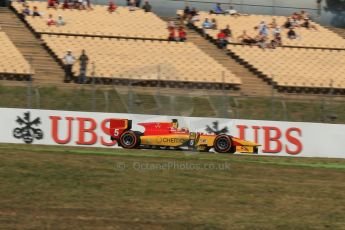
point(130, 140)
point(223, 144)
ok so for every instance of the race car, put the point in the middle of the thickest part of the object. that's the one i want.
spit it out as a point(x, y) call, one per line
point(168, 135)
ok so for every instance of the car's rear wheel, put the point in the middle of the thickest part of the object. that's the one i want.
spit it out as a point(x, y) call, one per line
point(130, 140)
point(222, 144)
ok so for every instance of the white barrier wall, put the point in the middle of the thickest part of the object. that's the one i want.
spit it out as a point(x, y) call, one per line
point(50, 127)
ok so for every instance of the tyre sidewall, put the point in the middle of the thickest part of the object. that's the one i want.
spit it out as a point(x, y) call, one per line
point(223, 150)
point(135, 140)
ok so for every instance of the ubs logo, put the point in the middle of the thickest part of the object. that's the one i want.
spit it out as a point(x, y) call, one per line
point(26, 131)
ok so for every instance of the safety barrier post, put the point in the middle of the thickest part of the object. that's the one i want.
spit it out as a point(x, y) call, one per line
point(29, 86)
point(38, 98)
point(93, 105)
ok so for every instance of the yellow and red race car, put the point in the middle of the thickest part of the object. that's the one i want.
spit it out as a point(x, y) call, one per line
point(169, 136)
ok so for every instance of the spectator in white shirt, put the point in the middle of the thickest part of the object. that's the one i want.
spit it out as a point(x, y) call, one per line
point(231, 11)
point(69, 60)
point(60, 21)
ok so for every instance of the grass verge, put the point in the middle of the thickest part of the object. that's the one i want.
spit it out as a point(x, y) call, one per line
point(47, 187)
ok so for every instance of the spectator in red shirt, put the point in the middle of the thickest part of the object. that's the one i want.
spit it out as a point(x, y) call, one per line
point(65, 5)
point(52, 4)
point(51, 21)
point(221, 39)
point(172, 35)
point(182, 35)
point(112, 6)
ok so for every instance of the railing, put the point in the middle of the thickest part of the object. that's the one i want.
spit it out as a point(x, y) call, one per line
point(173, 101)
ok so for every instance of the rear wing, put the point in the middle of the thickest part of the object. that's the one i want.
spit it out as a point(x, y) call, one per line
point(118, 126)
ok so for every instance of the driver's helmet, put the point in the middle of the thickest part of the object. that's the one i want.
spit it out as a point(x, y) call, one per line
point(174, 123)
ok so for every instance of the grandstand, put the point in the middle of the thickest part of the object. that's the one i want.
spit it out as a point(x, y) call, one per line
point(12, 63)
point(291, 69)
point(97, 22)
point(320, 38)
point(121, 60)
point(138, 34)
point(131, 47)
point(46, 70)
point(310, 64)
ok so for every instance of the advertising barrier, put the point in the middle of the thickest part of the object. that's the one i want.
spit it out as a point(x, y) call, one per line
point(51, 127)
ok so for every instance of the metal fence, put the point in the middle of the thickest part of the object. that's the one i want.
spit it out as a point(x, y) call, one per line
point(173, 101)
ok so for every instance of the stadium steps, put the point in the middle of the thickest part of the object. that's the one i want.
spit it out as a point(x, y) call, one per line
point(47, 70)
point(251, 84)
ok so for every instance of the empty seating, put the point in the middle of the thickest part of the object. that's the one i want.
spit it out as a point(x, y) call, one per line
point(12, 62)
point(296, 68)
point(97, 22)
point(143, 60)
point(320, 38)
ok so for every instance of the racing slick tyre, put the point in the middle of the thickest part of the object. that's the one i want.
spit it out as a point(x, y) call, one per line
point(222, 144)
point(130, 140)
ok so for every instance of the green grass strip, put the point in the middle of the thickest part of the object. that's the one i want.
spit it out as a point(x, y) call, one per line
point(180, 156)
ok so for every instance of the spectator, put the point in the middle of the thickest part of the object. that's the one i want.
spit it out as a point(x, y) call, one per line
point(207, 24)
point(228, 33)
point(83, 61)
point(261, 40)
point(214, 24)
point(274, 23)
point(60, 21)
point(276, 31)
point(35, 12)
point(221, 39)
point(147, 7)
point(304, 15)
point(138, 3)
point(128, 2)
point(84, 4)
point(26, 11)
point(277, 41)
point(65, 5)
point(263, 29)
point(69, 60)
point(51, 21)
point(172, 35)
point(78, 4)
point(112, 6)
point(132, 5)
point(306, 24)
point(291, 34)
point(217, 9)
point(88, 4)
point(287, 23)
point(193, 12)
point(246, 39)
point(171, 24)
point(191, 17)
point(194, 15)
point(186, 12)
point(231, 11)
point(52, 4)
point(294, 22)
point(182, 35)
